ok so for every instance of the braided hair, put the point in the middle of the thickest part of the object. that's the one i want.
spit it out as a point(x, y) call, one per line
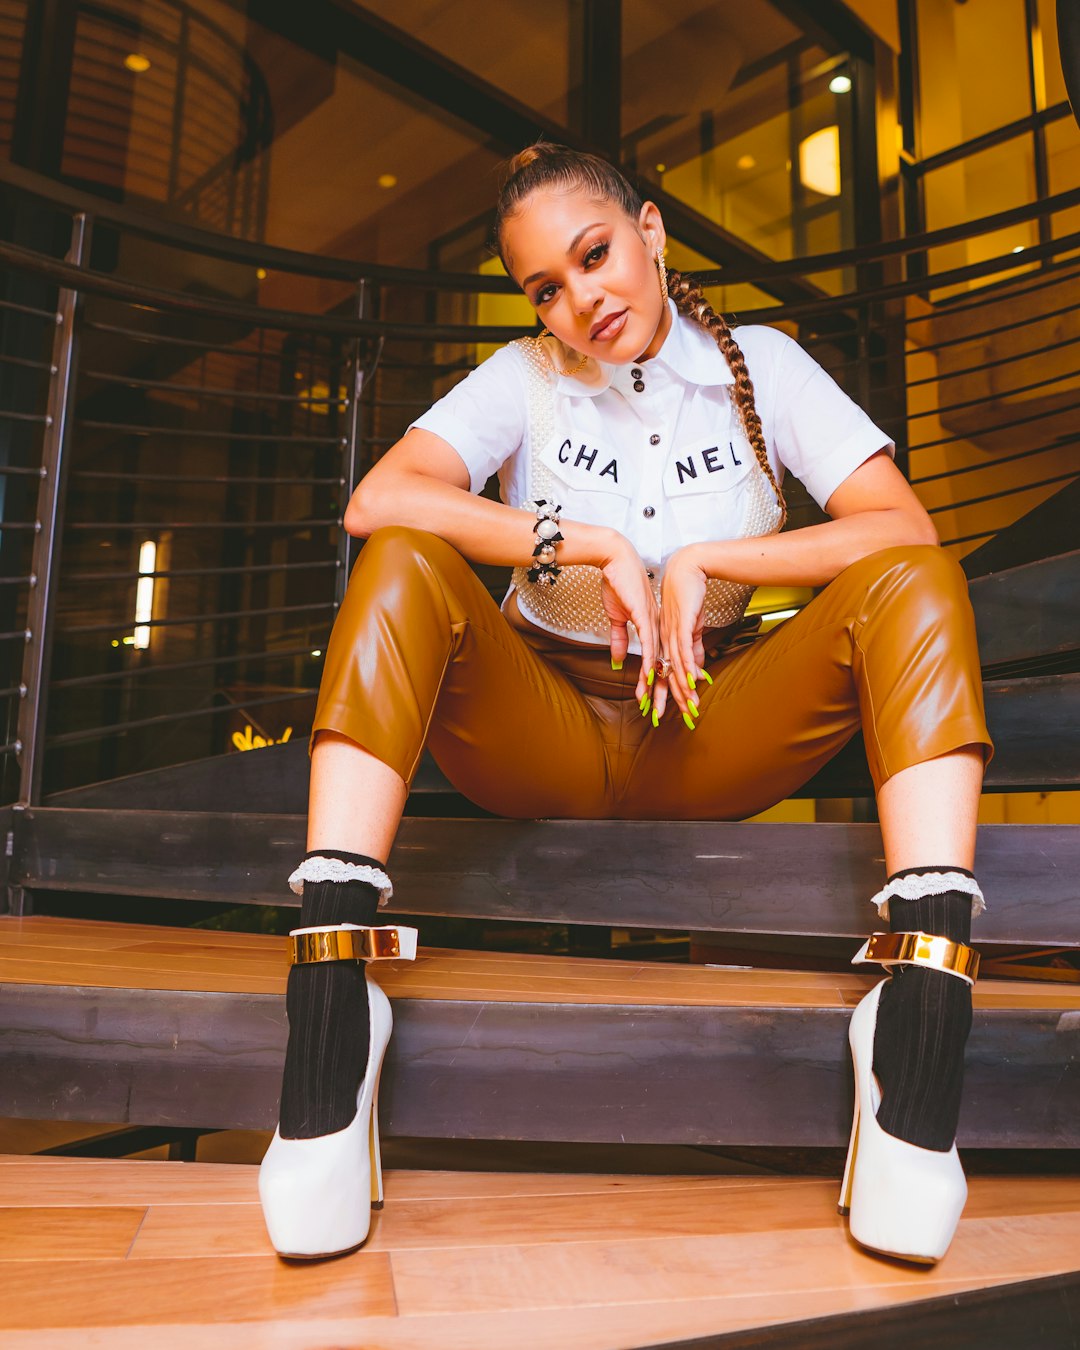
point(545, 166)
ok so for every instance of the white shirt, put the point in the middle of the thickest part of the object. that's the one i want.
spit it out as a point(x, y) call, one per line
point(661, 463)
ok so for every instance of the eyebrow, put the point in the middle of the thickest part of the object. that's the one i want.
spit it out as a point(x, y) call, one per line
point(569, 252)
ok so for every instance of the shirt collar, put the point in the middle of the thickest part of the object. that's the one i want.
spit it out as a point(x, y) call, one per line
point(689, 352)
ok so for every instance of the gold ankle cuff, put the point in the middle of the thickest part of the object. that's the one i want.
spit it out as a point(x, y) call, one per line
point(393, 943)
point(920, 949)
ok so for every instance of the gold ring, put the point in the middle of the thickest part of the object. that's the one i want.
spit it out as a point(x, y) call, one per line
point(663, 668)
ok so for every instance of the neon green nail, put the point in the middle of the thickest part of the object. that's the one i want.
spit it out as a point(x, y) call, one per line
point(706, 677)
point(691, 681)
point(688, 720)
point(693, 707)
point(650, 677)
point(655, 718)
point(616, 665)
point(644, 704)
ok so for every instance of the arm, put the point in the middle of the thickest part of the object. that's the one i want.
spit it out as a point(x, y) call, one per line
point(873, 508)
point(422, 482)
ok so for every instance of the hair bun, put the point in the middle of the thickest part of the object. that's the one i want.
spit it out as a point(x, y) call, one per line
point(531, 153)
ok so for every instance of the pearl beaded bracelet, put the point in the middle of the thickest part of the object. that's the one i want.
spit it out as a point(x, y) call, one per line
point(544, 572)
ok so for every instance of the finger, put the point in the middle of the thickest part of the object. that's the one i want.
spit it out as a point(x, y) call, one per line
point(677, 685)
point(660, 698)
point(620, 644)
point(646, 682)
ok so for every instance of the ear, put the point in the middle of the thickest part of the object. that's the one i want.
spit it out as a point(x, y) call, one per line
point(651, 226)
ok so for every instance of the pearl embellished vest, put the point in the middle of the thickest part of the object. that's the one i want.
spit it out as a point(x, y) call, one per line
point(573, 605)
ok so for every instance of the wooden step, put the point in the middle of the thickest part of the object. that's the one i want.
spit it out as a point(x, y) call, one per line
point(130, 1254)
point(702, 876)
point(153, 1026)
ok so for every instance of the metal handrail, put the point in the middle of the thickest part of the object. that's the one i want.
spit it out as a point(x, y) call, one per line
point(252, 433)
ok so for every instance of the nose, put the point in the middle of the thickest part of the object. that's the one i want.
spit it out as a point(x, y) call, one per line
point(585, 295)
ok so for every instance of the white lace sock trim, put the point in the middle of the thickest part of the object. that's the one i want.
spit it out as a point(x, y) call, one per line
point(930, 883)
point(333, 869)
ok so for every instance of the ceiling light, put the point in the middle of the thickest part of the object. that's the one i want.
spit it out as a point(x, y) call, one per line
point(1019, 248)
point(261, 273)
point(136, 62)
point(745, 162)
point(840, 84)
point(387, 180)
point(661, 168)
point(317, 652)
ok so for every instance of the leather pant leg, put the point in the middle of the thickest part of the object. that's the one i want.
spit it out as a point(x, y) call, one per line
point(889, 646)
point(420, 653)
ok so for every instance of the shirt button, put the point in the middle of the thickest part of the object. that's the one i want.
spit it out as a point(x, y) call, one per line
point(650, 574)
point(639, 385)
point(654, 439)
point(636, 373)
point(649, 512)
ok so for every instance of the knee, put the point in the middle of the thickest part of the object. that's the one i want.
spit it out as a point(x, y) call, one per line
point(400, 546)
point(922, 579)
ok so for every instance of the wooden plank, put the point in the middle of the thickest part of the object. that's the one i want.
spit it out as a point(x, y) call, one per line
point(248, 1289)
point(479, 1269)
point(1028, 611)
point(705, 876)
point(476, 1068)
point(82, 1233)
point(1035, 726)
point(437, 1282)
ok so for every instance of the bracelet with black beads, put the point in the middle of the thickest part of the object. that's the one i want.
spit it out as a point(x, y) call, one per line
point(544, 571)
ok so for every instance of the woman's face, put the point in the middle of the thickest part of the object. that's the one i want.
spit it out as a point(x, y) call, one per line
point(590, 272)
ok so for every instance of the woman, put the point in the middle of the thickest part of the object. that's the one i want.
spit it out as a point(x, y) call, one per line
point(640, 471)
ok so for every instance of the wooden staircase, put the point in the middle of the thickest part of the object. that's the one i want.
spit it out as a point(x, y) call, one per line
point(91, 1043)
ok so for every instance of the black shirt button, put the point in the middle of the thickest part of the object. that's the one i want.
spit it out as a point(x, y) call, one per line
point(650, 574)
point(639, 385)
point(654, 439)
point(636, 373)
point(649, 512)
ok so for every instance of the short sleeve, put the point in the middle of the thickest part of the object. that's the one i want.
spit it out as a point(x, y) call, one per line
point(818, 433)
point(483, 417)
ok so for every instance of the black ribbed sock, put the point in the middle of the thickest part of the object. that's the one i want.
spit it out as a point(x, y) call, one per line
point(924, 1018)
point(327, 1005)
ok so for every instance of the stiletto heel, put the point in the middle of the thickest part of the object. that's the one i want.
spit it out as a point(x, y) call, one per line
point(317, 1194)
point(902, 1200)
point(844, 1204)
point(374, 1150)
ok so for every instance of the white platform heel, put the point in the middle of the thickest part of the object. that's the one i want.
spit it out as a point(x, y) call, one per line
point(317, 1194)
point(902, 1200)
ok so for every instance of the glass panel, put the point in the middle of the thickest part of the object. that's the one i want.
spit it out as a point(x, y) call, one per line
point(387, 195)
point(1051, 53)
point(746, 121)
point(520, 47)
point(982, 185)
point(1063, 163)
point(973, 70)
point(12, 29)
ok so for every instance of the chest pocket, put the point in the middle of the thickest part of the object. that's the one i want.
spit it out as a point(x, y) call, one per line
point(592, 479)
point(706, 483)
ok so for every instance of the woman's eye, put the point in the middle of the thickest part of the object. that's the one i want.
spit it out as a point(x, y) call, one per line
point(544, 294)
point(595, 254)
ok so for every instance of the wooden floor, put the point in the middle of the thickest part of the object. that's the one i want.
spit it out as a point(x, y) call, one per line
point(41, 950)
point(125, 1254)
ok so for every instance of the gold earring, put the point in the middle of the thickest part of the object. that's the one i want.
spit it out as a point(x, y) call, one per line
point(661, 267)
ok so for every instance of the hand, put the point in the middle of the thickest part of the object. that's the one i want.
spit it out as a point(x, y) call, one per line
point(627, 598)
point(682, 624)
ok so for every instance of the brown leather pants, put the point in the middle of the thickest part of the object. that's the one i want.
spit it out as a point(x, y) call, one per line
point(528, 725)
